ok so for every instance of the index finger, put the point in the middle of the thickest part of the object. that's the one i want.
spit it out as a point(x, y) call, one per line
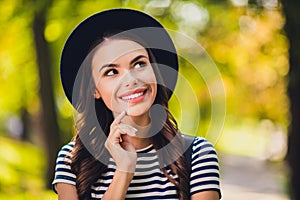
point(119, 117)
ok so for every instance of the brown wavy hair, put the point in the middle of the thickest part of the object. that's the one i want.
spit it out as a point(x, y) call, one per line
point(92, 126)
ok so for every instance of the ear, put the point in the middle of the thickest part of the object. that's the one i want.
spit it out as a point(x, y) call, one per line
point(97, 94)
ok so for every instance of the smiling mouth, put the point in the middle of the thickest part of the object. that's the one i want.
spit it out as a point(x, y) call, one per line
point(135, 96)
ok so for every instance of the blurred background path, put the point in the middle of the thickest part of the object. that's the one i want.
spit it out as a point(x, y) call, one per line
point(246, 178)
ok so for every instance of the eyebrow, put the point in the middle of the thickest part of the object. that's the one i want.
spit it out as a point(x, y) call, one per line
point(137, 58)
point(116, 65)
point(107, 65)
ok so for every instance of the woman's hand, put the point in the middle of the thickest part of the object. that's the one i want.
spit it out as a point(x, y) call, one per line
point(119, 146)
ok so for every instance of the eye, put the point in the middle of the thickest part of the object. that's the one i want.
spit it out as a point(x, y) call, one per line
point(110, 72)
point(140, 64)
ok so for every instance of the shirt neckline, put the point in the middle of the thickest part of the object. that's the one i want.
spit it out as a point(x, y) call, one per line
point(145, 149)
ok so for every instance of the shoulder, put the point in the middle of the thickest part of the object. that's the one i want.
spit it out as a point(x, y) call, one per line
point(66, 151)
point(65, 154)
point(67, 148)
point(63, 172)
point(202, 147)
point(205, 167)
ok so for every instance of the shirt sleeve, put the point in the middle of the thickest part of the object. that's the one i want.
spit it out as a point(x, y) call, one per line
point(205, 168)
point(63, 172)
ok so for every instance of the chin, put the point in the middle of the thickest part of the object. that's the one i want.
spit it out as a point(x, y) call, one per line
point(138, 111)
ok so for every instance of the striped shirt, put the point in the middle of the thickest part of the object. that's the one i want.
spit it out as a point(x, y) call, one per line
point(149, 182)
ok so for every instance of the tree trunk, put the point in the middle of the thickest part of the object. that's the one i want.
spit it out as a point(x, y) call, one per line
point(25, 117)
point(292, 28)
point(50, 129)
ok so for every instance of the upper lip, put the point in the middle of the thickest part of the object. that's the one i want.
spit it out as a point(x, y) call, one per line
point(135, 91)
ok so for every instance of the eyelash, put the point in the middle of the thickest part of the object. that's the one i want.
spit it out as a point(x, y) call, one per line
point(106, 73)
point(141, 63)
point(114, 71)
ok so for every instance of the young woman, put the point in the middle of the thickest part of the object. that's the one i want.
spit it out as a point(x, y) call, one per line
point(115, 70)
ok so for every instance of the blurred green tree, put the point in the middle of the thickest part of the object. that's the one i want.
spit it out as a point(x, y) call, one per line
point(50, 129)
point(244, 39)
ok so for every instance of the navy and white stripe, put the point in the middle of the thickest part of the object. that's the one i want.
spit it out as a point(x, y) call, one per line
point(205, 168)
point(63, 172)
point(149, 182)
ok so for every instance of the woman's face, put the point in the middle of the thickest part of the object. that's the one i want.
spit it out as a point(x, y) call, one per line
point(124, 77)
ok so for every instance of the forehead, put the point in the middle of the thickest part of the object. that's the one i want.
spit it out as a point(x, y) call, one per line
point(111, 50)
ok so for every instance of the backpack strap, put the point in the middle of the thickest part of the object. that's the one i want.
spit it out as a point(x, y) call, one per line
point(188, 141)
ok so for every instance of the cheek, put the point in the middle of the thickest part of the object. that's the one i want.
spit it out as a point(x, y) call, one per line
point(106, 93)
point(153, 82)
point(148, 76)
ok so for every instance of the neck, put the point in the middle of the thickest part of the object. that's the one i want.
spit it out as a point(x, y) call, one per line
point(143, 135)
point(140, 143)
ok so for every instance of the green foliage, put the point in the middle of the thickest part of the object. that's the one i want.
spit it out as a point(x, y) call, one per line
point(247, 44)
point(251, 52)
point(22, 170)
point(18, 74)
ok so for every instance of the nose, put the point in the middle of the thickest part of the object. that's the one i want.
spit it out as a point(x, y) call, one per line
point(129, 79)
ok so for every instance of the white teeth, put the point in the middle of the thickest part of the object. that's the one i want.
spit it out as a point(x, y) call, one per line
point(132, 96)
